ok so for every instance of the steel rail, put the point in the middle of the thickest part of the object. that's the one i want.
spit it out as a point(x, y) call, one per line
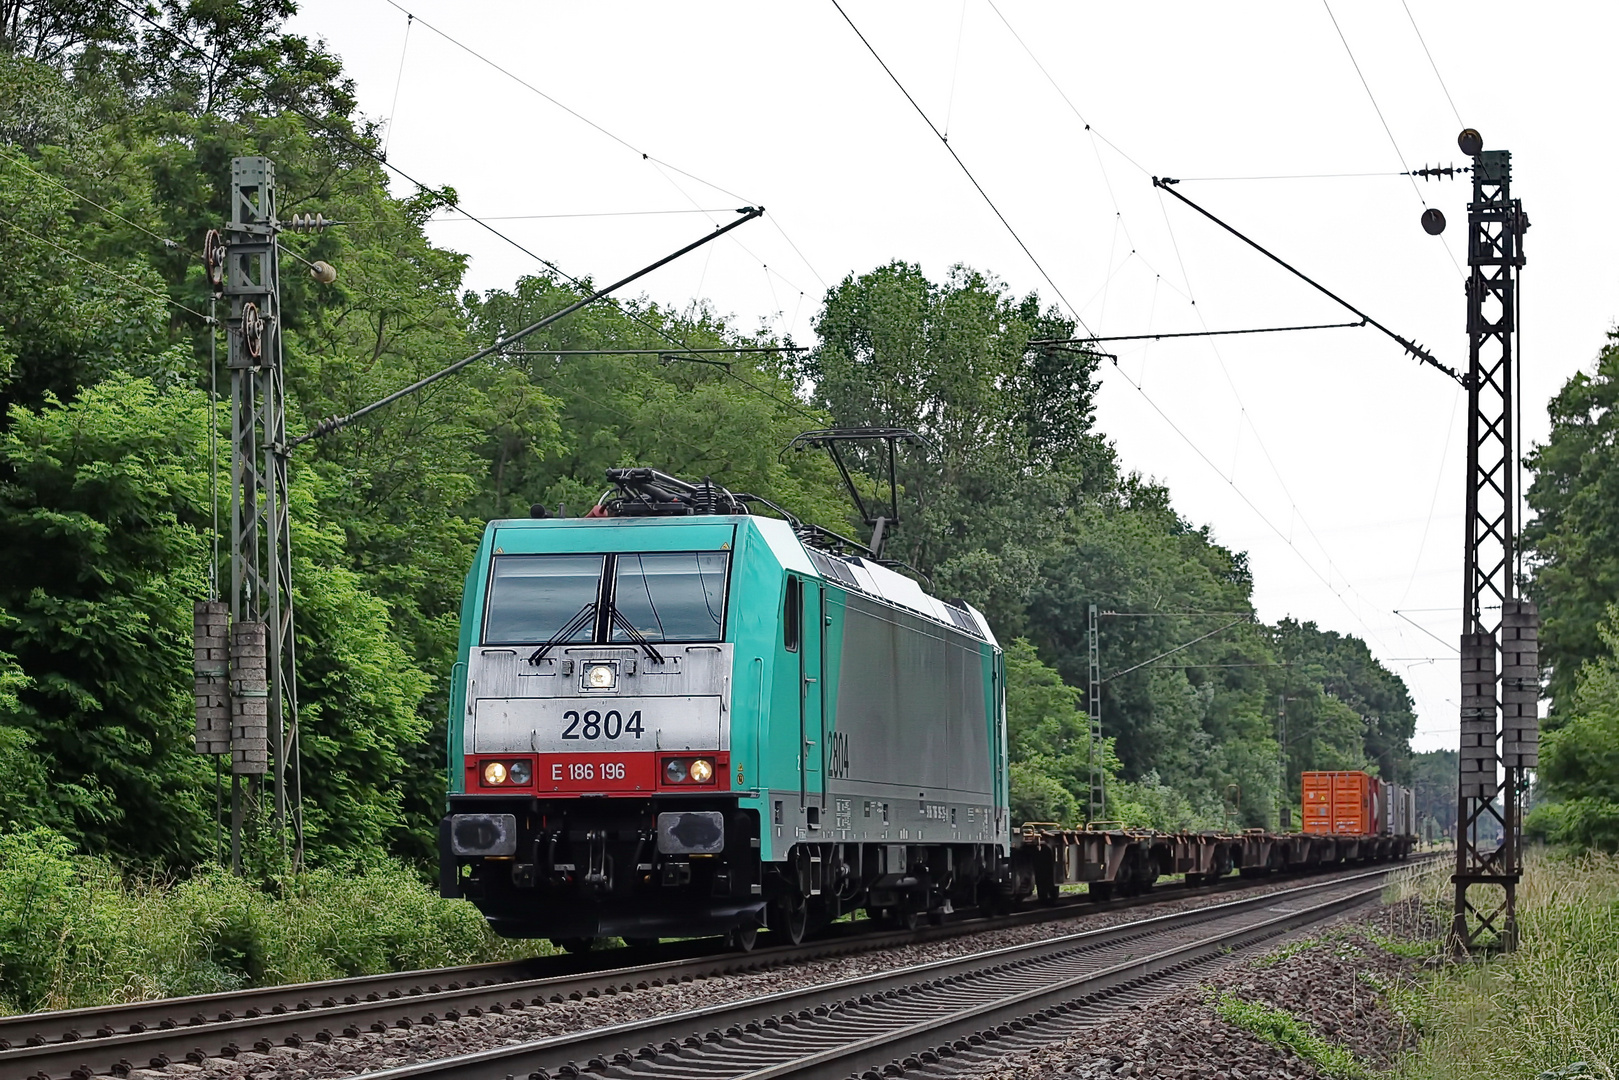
point(82, 1025)
point(153, 1033)
point(956, 1032)
point(778, 1026)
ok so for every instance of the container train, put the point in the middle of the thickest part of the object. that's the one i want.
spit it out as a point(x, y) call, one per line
point(676, 717)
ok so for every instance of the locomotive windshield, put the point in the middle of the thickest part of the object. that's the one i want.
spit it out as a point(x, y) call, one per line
point(672, 596)
point(666, 596)
point(532, 597)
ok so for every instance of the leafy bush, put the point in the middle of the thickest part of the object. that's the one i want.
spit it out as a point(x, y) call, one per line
point(75, 931)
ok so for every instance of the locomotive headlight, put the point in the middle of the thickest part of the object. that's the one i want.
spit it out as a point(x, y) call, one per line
point(494, 773)
point(674, 771)
point(601, 676)
point(521, 772)
point(702, 771)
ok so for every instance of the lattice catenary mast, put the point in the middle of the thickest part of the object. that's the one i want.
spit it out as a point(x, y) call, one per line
point(260, 711)
point(1499, 629)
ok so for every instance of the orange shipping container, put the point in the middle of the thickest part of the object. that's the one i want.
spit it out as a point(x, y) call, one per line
point(1340, 802)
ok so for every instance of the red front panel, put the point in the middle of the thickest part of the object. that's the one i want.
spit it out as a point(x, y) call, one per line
point(605, 773)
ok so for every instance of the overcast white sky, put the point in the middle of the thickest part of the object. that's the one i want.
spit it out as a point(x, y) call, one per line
point(1330, 457)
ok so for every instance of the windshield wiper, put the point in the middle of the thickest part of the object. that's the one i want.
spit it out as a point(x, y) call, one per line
point(582, 618)
point(617, 619)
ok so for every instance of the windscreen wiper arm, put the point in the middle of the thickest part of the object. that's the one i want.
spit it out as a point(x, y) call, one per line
point(583, 617)
point(617, 619)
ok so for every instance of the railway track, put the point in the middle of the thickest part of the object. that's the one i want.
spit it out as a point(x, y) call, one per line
point(919, 1018)
point(87, 1042)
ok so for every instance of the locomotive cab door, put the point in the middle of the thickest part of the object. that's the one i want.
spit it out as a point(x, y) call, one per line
point(811, 713)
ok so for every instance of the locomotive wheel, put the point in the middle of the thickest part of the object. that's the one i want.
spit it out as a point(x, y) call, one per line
point(743, 938)
point(790, 916)
point(910, 919)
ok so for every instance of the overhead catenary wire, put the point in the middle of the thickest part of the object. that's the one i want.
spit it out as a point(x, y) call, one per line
point(575, 113)
point(1096, 136)
point(1074, 108)
point(1166, 184)
point(674, 355)
point(1415, 188)
point(1191, 334)
point(1430, 633)
point(1176, 428)
point(107, 270)
point(1423, 42)
point(1373, 99)
point(652, 159)
point(336, 423)
point(662, 167)
point(1292, 176)
point(945, 142)
point(1179, 648)
point(1264, 448)
point(399, 80)
point(349, 140)
point(590, 214)
point(657, 352)
point(168, 242)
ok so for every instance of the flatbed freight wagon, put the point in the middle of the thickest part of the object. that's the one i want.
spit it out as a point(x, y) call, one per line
point(1128, 861)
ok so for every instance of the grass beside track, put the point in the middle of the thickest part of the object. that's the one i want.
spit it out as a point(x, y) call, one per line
point(1539, 1011)
point(76, 931)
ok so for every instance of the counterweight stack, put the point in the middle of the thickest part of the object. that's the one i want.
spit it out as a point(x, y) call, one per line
point(211, 623)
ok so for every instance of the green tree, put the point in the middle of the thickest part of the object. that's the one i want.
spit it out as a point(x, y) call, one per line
point(1573, 538)
point(1011, 429)
point(105, 504)
point(1048, 742)
point(1579, 761)
point(1433, 781)
point(726, 417)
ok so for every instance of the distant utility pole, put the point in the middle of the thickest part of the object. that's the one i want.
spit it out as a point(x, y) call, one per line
point(1096, 805)
point(1499, 630)
point(1284, 812)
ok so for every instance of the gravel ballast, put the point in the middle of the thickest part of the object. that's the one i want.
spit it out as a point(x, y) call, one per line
point(1332, 978)
point(371, 1051)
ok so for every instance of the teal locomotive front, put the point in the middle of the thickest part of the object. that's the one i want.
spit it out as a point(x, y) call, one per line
point(669, 726)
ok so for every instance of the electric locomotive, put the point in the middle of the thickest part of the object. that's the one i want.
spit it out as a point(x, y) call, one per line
point(677, 717)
